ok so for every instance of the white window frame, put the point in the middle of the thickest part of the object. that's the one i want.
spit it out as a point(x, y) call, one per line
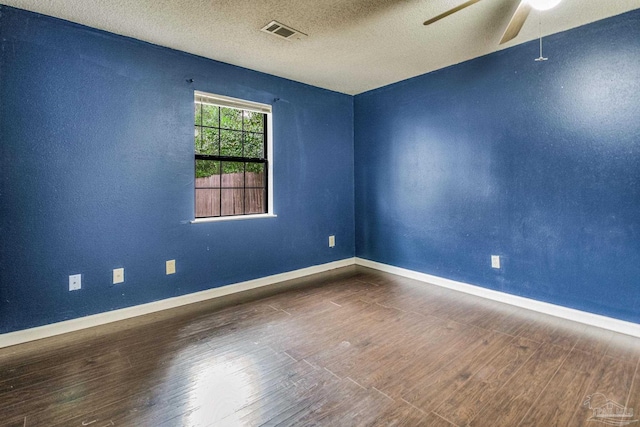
point(227, 101)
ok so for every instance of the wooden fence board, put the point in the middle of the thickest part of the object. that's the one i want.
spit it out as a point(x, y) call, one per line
point(211, 200)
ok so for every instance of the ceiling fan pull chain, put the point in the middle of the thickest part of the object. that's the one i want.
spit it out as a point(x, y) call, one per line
point(541, 58)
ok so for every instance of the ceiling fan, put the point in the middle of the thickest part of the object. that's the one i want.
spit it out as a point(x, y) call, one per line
point(517, 19)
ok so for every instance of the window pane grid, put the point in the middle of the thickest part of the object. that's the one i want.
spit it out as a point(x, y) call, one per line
point(230, 161)
point(229, 129)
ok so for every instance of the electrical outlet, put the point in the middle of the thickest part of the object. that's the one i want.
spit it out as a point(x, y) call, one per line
point(118, 275)
point(495, 261)
point(75, 282)
point(332, 241)
point(171, 266)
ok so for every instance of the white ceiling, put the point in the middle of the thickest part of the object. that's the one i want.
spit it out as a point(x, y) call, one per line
point(353, 46)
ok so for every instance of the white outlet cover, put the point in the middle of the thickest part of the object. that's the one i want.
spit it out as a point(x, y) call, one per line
point(118, 275)
point(332, 241)
point(495, 261)
point(170, 266)
point(75, 282)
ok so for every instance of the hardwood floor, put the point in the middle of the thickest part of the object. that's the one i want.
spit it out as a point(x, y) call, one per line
point(352, 347)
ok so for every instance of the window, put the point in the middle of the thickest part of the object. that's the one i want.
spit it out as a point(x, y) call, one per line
point(232, 155)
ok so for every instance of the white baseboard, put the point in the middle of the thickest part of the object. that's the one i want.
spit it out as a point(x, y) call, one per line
point(584, 317)
point(32, 334)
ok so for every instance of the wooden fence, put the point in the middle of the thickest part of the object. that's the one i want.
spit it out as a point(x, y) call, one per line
point(234, 198)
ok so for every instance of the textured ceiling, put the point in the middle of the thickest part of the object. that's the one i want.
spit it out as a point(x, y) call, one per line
point(353, 46)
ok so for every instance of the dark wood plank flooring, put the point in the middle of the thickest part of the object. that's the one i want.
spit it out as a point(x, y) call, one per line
point(351, 347)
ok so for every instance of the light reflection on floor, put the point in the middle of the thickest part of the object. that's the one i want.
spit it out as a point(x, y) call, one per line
point(218, 389)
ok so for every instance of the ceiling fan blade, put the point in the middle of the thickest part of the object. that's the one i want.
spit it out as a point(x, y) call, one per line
point(517, 21)
point(451, 11)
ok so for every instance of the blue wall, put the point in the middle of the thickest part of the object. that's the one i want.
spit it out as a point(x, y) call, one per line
point(536, 162)
point(96, 172)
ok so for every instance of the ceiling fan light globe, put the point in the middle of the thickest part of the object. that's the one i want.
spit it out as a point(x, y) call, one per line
point(544, 4)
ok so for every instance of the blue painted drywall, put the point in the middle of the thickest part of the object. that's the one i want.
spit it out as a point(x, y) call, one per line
point(538, 162)
point(96, 172)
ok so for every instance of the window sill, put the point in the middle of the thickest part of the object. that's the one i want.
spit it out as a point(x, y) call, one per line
point(231, 218)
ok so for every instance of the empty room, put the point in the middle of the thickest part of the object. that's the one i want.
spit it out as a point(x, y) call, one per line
point(327, 213)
